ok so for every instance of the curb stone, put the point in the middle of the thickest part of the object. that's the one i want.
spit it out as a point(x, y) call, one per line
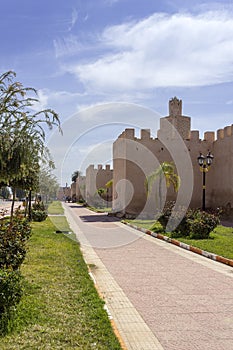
point(113, 324)
point(196, 250)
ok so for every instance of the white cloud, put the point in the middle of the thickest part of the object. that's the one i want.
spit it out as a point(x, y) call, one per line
point(162, 50)
point(67, 46)
point(110, 2)
point(42, 101)
point(65, 102)
point(74, 18)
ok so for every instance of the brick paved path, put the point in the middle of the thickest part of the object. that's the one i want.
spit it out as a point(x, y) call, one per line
point(185, 299)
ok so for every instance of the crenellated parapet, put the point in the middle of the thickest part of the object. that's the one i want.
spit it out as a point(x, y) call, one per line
point(225, 132)
point(97, 178)
point(145, 134)
point(209, 136)
point(92, 167)
point(194, 135)
point(128, 134)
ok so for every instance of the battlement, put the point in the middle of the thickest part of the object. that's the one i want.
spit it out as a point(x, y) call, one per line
point(128, 134)
point(209, 136)
point(224, 133)
point(194, 135)
point(145, 134)
point(92, 167)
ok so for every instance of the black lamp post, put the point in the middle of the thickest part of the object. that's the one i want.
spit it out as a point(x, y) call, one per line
point(205, 163)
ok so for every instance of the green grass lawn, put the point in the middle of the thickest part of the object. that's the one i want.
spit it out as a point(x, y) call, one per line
point(141, 223)
point(100, 210)
point(60, 223)
point(220, 241)
point(60, 308)
point(55, 208)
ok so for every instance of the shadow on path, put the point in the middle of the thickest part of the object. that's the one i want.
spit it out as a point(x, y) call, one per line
point(99, 218)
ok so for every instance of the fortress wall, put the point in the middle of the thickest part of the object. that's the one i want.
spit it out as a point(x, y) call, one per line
point(80, 187)
point(195, 147)
point(103, 176)
point(90, 183)
point(73, 189)
point(133, 160)
point(136, 158)
point(63, 192)
point(222, 169)
point(119, 173)
point(97, 178)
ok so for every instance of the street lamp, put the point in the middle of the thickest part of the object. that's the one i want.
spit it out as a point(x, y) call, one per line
point(205, 163)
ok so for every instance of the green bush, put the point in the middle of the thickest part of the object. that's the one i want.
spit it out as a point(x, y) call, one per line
point(10, 294)
point(38, 205)
point(14, 235)
point(179, 215)
point(201, 224)
point(157, 227)
point(39, 212)
point(165, 215)
point(39, 215)
point(196, 224)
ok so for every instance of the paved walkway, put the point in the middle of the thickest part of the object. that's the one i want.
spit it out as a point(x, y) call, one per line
point(159, 295)
point(5, 207)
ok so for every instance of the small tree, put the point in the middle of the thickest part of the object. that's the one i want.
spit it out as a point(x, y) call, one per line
point(22, 134)
point(48, 185)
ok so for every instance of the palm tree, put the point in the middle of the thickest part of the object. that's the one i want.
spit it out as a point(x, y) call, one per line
point(167, 170)
point(75, 175)
point(108, 186)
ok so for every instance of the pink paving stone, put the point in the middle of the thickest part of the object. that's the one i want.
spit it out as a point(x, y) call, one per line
point(187, 305)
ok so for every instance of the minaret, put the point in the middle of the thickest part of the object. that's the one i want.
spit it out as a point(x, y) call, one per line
point(180, 122)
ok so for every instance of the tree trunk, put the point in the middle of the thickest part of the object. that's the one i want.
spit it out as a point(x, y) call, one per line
point(30, 206)
point(13, 203)
point(160, 193)
point(26, 207)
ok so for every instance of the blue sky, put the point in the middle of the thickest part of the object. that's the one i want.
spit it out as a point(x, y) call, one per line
point(80, 54)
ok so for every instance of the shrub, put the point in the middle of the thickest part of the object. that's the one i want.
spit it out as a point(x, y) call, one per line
point(13, 238)
point(178, 216)
point(164, 217)
point(39, 215)
point(157, 227)
point(10, 294)
point(39, 212)
point(38, 205)
point(14, 234)
point(196, 224)
point(201, 224)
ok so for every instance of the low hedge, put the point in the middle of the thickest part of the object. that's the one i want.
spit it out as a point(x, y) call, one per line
point(14, 234)
point(10, 295)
